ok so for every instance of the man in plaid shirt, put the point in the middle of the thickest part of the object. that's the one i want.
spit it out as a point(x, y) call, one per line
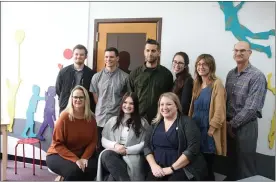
point(246, 88)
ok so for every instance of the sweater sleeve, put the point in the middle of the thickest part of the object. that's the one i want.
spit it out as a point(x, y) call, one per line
point(219, 116)
point(59, 139)
point(91, 147)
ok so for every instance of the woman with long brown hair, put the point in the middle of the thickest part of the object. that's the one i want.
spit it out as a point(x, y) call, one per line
point(208, 109)
point(183, 84)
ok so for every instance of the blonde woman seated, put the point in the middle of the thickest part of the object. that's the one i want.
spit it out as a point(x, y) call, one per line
point(123, 140)
point(71, 154)
point(172, 144)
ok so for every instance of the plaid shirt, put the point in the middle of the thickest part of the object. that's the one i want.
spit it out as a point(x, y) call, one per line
point(246, 93)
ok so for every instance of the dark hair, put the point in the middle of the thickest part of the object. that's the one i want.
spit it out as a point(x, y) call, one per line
point(183, 75)
point(112, 49)
point(79, 46)
point(135, 118)
point(154, 42)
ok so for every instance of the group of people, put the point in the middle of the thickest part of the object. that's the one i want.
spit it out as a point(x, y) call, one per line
point(148, 126)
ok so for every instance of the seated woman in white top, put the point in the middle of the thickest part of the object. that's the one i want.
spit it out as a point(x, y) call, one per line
point(123, 140)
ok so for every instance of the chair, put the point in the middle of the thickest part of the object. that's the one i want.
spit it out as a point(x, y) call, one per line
point(30, 141)
point(58, 178)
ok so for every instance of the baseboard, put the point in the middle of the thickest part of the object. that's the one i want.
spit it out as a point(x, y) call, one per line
point(27, 160)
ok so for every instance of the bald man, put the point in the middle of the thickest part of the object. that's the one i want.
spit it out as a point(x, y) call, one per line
point(246, 88)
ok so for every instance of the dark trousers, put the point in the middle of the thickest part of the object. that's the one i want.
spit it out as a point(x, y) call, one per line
point(70, 170)
point(209, 158)
point(99, 145)
point(115, 168)
point(241, 152)
point(178, 175)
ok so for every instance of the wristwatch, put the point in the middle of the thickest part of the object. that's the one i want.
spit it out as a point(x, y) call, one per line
point(172, 168)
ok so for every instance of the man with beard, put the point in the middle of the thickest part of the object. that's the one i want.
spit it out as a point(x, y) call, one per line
point(73, 75)
point(246, 88)
point(150, 80)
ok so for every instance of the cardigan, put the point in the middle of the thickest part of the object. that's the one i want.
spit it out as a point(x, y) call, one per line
point(189, 145)
point(134, 158)
point(217, 116)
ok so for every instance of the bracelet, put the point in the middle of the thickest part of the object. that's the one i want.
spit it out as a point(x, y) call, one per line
point(172, 168)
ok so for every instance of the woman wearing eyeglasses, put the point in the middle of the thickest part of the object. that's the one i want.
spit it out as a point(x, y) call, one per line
point(72, 151)
point(208, 110)
point(183, 85)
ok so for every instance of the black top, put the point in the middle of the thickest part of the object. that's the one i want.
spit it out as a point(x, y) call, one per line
point(149, 84)
point(66, 82)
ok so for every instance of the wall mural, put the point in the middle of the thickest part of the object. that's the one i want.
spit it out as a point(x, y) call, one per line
point(14, 86)
point(271, 135)
point(241, 32)
point(49, 112)
point(29, 126)
point(67, 54)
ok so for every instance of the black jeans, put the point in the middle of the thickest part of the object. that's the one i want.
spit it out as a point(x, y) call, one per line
point(115, 168)
point(99, 145)
point(70, 170)
point(178, 175)
point(241, 152)
point(209, 158)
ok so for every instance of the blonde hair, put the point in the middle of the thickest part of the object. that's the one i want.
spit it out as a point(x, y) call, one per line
point(88, 114)
point(210, 61)
point(174, 98)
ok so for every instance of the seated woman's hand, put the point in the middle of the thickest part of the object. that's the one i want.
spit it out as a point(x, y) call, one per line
point(82, 164)
point(120, 149)
point(157, 171)
point(167, 171)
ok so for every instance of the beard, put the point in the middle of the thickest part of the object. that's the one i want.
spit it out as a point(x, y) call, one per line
point(79, 62)
point(152, 60)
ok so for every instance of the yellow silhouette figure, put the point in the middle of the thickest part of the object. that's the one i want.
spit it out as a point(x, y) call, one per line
point(271, 135)
point(12, 91)
point(269, 85)
point(13, 87)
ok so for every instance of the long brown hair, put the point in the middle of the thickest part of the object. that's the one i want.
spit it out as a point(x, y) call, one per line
point(181, 76)
point(210, 61)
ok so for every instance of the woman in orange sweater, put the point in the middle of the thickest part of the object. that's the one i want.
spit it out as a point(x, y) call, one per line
point(72, 152)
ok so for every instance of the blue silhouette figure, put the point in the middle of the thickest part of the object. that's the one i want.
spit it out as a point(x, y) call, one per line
point(49, 112)
point(240, 31)
point(30, 113)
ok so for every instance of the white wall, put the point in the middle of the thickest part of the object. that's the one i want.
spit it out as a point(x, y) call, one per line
point(193, 27)
point(50, 28)
point(196, 28)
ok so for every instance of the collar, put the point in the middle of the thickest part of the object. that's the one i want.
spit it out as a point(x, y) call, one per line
point(144, 67)
point(108, 72)
point(245, 70)
point(79, 69)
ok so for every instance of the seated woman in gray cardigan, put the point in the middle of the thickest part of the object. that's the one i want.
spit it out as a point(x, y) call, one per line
point(172, 144)
point(123, 140)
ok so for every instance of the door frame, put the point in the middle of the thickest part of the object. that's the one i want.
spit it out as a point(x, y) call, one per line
point(158, 21)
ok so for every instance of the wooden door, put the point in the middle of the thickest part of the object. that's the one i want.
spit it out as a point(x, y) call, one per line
point(128, 38)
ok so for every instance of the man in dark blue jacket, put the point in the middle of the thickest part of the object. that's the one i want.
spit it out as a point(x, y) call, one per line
point(72, 75)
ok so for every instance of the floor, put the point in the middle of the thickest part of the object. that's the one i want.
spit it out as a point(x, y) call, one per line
point(26, 174)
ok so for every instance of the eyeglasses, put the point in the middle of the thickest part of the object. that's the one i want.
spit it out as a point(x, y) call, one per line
point(201, 64)
point(242, 51)
point(78, 97)
point(178, 63)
